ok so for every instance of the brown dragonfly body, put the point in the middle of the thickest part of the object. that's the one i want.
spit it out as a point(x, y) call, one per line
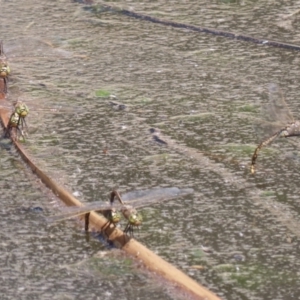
point(17, 121)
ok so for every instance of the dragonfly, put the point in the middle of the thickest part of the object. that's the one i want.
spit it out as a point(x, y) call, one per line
point(30, 49)
point(4, 68)
point(34, 63)
point(31, 60)
point(17, 120)
point(277, 109)
point(127, 206)
point(22, 110)
point(31, 55)
point(13, 125)
point(37, 111)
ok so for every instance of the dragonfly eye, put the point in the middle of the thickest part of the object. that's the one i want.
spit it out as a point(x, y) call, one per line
point(4, 71)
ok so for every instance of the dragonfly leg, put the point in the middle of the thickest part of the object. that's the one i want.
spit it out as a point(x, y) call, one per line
point(19, 124)
point(129, 229)
point(24, 121)
point(126, 228)
point(103, 229)
point(6, 133)
point(86, 221)
point(125, 236)
point(23, 127)
point(21, 133)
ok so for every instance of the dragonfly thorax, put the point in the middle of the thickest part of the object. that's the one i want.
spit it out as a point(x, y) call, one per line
point(115, 216)
point(14, 120)
point(112, 215)
point(21, 109)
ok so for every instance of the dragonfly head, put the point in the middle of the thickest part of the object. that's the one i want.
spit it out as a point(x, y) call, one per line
point(4, 70)
point(21, 109)
point(112, 215)
point(135, 219)
point(14, 120)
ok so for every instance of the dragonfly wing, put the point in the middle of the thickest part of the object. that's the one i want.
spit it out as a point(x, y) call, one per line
point(44, 107)
point(275, 114)
point(61, 108)
point(265, 128)
point(137, 199)
point(26, 48)
point(75, 211)
point(153, 196)
point(155, 193)
point(277, 110)
point(65, 216)
point(2, 55)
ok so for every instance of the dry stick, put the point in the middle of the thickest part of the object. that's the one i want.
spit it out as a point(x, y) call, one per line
point(226, 34)
point(152, 261)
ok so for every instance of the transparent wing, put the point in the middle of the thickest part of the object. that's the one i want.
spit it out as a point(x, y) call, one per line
point(277, 109)
point(2, 54)
point(75, 211)
point(153, 196)
point(275, 114)
point(42, 54)
point(22, 48)
point(56, 109)
point(136, 199)
point(35, 108)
